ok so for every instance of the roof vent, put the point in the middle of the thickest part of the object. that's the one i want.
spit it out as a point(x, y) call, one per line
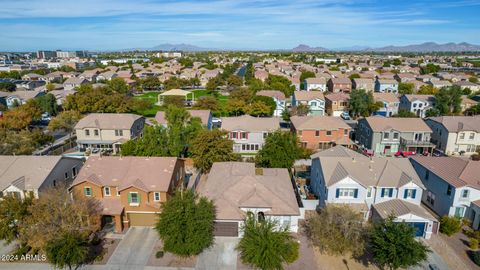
point(258, 171)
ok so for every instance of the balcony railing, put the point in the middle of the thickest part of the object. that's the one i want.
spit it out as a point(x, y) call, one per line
point(406, 142)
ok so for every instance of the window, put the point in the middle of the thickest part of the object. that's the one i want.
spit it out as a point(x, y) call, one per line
point(369, 192)
point(265, 135)
point(95, 132)
point(459, 212)
point(118, 132)
point(329, 133)
point(387, 192)
point(395, 135)
point(299, 133)
point(386, 135)
point(244, 135)
point(471, 148)
point(133, 198)
point(87, 132)
point(427, 175)
point(347, 193)
point(409, 193)
point(118, 192)
point(314, 104)
point(87, 191)
point(54, 183)
point(106, 191)
point(430, 197)
point(261, 216)
point(465, 194)
point(472, 136)
point(66, 175)
point(462, 136)
point(317, 133)
point(414, 105)
point(233, 135)
point(156, 196)
point(74, 171)
point(449, 190)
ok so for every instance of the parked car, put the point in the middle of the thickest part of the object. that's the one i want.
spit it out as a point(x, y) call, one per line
point(345, 116)
point(405, 153)
point(368, 153)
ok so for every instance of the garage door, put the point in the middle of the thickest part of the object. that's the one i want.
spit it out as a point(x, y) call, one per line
point(142, 219)
point(226, 229)
point(420, 228)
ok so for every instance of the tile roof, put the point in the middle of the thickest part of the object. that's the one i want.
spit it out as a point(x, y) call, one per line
point(456, 171)
point(459, 123)
point(318, 122)
point(337, 96)
point(397, 208)
point(250, 123)
point(308, 95)
point(108, 121)
point(235, 185)
point(272, 93)
point(380, 123)
point(337, 151)
point(386, 97)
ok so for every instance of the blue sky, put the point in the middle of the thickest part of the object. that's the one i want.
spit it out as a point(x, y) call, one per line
point(233, 24)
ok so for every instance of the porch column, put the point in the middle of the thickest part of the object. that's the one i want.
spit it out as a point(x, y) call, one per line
point(118, 223)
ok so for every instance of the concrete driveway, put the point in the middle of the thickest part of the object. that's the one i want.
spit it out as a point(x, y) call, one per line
point(134, 250)
point(432, 258)
point(222, 255)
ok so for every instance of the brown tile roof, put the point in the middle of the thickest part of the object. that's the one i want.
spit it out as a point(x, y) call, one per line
point(459, 123)
point(272, 93)
point(111, 206)
point(308, 95)
point(429, 98)
point(146, 173)
point(250, 123)
point(316, 80)
point(318, 123)
point(337, 96)
point(337, 151)
point(386, 97)
point(235, 185)
point(397, 208)
point(380, 123)
point(108, 121)
point(456, 171)
point(341, 80)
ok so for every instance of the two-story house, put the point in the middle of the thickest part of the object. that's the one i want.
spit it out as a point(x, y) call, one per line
point(336, 85)
point(320, 132)
point(238, 188)
point(129, 189)
point(313, 99)
point(386, 86)
point(337, 103)
point(364, 83)
point(107, 131)
point(72, 83)
point(455, 135)
point(418, 104)
point(452, 184)
point(278, 97)
point(386, 136)
point(24, 176)
point(390, 104)
point(318, 83)
point(16, 98)
point(248, 133)
point(376, 187)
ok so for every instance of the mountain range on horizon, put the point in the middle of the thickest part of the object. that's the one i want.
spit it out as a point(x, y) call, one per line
point(423, 47)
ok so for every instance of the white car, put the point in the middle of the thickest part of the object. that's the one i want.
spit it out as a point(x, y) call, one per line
point(345, 116)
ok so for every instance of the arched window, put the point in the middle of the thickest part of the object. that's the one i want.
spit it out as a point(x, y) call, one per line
point(261, 216)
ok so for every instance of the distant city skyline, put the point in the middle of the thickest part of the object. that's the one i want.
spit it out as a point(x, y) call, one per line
point(27, 25)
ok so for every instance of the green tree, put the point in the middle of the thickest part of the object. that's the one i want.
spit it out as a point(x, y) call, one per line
point(448, 100)
point(118, 85)
point(50, 87)
point(7, 87)
point(472, 79)
point(267, 245)
point(405, 88)
point(450, 225)
point(180, 129)
point(211, 146)
point(280, 83)
point(429, 68)
point(65, 120)
point(212, 84)
point(335, 228)
point(207, 103)
point(267, 101)
point(153, 143)
point(99, 100)
point(300, 110)
point(67, 249)
point(13, 212)
point(393, 245)
point(244, 94)
point(233, 82)
point(362, 103)
point(235, 107)
point(354, 76)
point(396, 62)
point(427, 90)
point(259, 108)
point(280, 150)
point(185, 223)
point(176, 101)
point(47, 103)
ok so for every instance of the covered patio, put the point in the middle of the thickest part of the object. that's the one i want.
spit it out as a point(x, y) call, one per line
point(177, 92)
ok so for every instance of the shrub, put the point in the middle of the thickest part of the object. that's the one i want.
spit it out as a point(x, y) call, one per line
point(450, 225)
point(475, 256)
point(473, 243)
point(159, 254)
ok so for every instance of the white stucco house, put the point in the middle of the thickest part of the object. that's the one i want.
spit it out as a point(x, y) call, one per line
point(313, 99)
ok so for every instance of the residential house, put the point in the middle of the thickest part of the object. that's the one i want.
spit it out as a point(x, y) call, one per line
point(452, 186)
point(313, 99)
point(238, 188)
point(467, 103)
point(204, 115)
point(54, 77)
point(31, 77)
point(336, 85)
point(320, 132)
point(375, 187)
point(337, 103)
point(315, 84)
point(25, 176)
point(364, 83)
point(12, 99)
point(386, 86)
point(404, 77)
point(467, 84)
point(455, 135)
point(418, 104)
point(248, 133)
point(386, 136)
point(130, 190)
point(72, 83)
point(107, 131)
point(390, 104)
point(440, 83)
point(106, 76)
point(278, 97)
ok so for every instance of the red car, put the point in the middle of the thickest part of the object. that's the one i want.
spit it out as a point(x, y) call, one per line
point(368, 153)
point(405, 153)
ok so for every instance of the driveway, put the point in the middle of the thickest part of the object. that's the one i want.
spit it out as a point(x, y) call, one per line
point(134, 249)
point(222, 255)
point(433, 258)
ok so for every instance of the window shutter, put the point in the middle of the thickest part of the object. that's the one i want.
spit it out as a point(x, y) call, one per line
point(338, 193)
point(405, 193)
point(383, 193)
point(138, 196)
point(246, 135)
point(414, 193)
point(390, 194)
point(355, 194)
point(129, 197)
